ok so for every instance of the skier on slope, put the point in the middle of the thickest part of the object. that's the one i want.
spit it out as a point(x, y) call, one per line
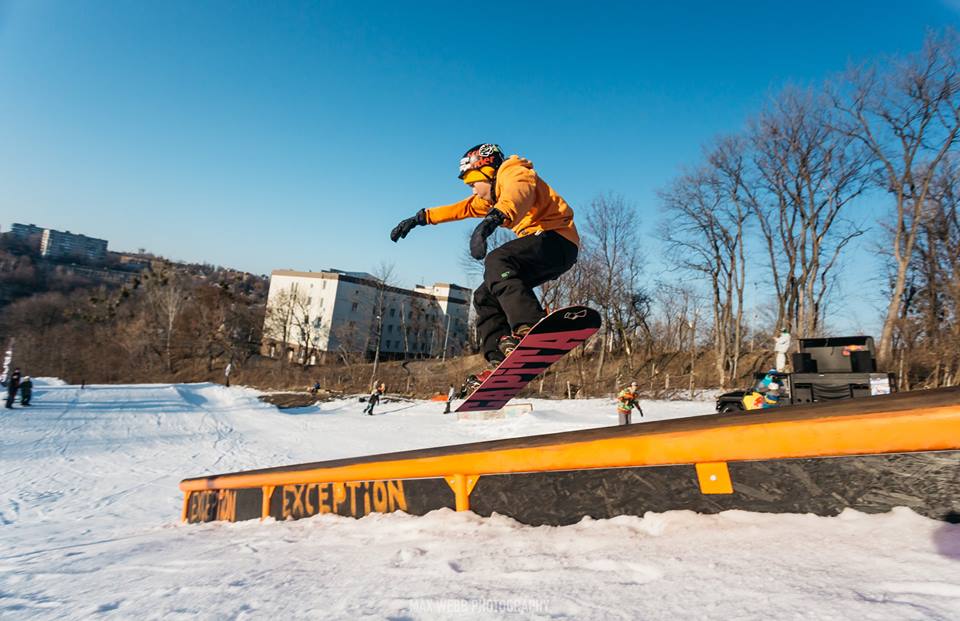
point(26, 390)
point(13, 384)
point(374, 399)
point(509, 193)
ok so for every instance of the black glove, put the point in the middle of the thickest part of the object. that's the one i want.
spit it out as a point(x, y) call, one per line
point(407, 225)
point(478, 241)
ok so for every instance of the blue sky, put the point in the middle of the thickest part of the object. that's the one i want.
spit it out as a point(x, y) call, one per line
point(295, 134)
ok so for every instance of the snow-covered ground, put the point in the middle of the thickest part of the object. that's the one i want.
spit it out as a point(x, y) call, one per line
point(89, 528)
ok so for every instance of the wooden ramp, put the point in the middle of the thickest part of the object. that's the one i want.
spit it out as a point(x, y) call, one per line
point(869, 454)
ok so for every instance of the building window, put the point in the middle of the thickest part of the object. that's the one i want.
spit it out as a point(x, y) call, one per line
point(393, 312)
point(354, 307)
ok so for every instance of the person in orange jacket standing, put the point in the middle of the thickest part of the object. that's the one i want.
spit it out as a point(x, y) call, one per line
point(507, 192)
point(628, 399)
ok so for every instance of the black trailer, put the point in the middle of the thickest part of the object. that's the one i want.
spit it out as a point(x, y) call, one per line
point(825, 369)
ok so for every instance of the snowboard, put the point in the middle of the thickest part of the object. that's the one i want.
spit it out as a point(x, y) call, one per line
point(545, 343)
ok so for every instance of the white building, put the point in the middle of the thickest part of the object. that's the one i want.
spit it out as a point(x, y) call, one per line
point(334, 311)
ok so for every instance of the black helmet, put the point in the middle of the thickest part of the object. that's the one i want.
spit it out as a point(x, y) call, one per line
point(483, 161)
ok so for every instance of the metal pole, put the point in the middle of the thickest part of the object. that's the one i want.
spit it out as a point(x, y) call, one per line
point(376, 355)
point(693, 350)
point(446, 337)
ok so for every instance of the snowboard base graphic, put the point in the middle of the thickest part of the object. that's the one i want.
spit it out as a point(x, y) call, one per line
point(548, 341)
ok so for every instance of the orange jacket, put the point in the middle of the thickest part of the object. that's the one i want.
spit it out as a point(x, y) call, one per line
point(627, 400)
point(529, 204)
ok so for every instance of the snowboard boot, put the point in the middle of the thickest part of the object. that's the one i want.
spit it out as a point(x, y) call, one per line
point(475, 379)
point(509, 342)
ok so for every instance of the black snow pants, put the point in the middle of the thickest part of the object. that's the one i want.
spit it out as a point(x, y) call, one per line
point(505, 300)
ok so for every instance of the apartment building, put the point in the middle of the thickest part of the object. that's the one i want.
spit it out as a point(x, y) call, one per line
point(26, 231)
point(64, 244)
point(310, 314)
point(61, 244)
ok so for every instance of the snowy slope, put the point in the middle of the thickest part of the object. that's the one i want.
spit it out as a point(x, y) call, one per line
point(89, 510)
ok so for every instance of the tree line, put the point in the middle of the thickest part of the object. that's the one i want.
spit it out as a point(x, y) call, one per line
point(169, 321)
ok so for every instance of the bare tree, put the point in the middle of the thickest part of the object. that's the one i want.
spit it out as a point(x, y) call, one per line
point(384, 275)
point(166, 295)
point(906, 113)
point(928, 330)
point(704, 229)
point(807, 175)
point(672, 323)
point(611, 261)
point(284, 313)
point(306, 330)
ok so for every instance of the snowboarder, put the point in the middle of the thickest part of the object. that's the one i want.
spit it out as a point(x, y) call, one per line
point(507, 192)
point(781, 346)
point(13, 384)
point(626, 401)
point(374, 398)
point(26, 390)
point(451, 393)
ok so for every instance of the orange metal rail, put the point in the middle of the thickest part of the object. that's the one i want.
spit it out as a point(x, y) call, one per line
point(909, 430)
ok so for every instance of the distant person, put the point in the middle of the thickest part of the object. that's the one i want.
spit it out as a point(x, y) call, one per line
point(771, 398)
point(766, 394)
point(781, 346)
point(626, 401)
point(450, 395)
point(770, 378)
point(374, 398)
point(13, 384)
point(226, 374)
point(315, 389)
point(26, 390)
